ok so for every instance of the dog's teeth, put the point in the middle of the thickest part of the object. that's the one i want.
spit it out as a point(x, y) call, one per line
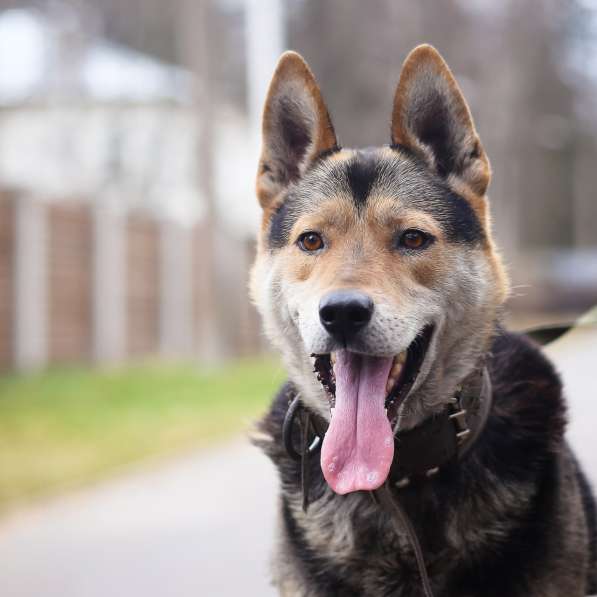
point(333, 358)
point(396, 370)
point(391, 383)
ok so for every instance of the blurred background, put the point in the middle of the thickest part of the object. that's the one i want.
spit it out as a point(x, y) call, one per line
point(129, 137)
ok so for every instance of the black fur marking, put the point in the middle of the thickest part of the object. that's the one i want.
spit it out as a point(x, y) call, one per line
point(362, 171)
point(293, 205)
point(459, 221)
point(455, 215)
point(280, 224)
point(404, 176)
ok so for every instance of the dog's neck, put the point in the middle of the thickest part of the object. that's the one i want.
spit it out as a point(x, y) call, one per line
point(419, 452)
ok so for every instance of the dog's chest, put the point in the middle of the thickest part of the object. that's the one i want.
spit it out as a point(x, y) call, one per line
point(353, 537)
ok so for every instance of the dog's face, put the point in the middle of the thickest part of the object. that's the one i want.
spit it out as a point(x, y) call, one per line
point(375, 267)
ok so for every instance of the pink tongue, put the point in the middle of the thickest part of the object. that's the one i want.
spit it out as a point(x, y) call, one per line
point(358, 447)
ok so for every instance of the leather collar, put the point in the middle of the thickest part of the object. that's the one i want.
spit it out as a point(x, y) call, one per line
point(420, 452)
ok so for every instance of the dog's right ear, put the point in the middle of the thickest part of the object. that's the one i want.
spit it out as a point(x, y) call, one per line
point(296, 128)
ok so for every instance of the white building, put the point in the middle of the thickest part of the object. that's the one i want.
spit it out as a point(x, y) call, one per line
point(97, 121)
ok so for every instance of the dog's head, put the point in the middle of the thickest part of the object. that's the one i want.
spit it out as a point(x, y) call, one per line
point(376, 267)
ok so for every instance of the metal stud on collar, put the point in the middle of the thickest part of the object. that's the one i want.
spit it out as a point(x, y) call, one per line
point(462, 432)
point(405, 481)
point(459, 419)
point(462, 435)
point(291, 414)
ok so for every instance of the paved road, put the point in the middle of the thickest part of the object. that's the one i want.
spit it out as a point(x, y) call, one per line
point(201, 526)
point(575, 356)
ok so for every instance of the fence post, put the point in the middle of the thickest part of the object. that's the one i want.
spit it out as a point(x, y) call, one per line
point(109, 284)
point(30, 284)
point(176, 290)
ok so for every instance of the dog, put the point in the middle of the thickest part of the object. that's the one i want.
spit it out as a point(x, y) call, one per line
point(378, 280)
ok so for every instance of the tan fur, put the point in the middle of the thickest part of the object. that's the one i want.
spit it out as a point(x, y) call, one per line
point(358, 255)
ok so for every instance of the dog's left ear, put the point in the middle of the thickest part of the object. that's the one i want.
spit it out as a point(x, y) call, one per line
point(431, 117)
point(296, 128)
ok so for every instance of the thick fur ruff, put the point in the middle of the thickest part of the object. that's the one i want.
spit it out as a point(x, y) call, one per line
point(514, 518)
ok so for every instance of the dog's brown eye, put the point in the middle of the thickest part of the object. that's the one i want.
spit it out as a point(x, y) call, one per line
point(414, 239)
point(310, 241)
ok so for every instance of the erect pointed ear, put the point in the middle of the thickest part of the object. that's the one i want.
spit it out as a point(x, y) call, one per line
point(431, 117)
point(296, 127)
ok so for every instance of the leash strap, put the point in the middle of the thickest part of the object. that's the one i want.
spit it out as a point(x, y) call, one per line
point(295, 409)
point(287, 429)
point(546, 334)
point(305, 468)
point(401, 522)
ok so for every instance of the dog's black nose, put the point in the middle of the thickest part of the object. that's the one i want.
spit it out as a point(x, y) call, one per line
point(344, 312)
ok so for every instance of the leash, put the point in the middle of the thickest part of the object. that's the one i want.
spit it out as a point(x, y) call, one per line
point(546, 334)
point(400, 522)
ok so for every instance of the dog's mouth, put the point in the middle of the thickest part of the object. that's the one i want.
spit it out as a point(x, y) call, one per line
point(365, 393)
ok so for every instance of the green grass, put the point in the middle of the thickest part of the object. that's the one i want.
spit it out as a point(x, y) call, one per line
point(64, 428)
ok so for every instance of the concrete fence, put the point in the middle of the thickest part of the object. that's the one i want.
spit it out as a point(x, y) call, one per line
point(83, 283)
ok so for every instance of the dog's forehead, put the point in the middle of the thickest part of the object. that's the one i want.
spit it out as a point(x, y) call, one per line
point(364, 177)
